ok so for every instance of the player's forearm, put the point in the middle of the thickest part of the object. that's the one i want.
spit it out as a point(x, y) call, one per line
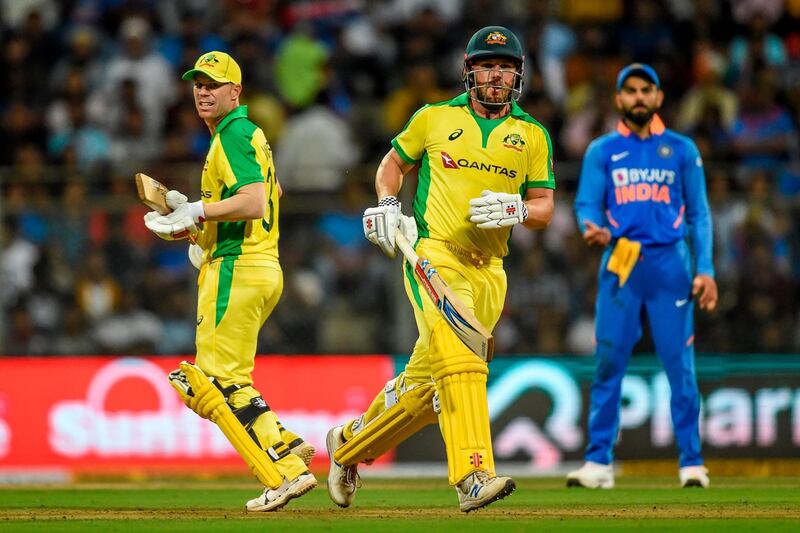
point(702, 237)
point(247, 204)
point(540, 210)
point(698, 216)
point(588, 210)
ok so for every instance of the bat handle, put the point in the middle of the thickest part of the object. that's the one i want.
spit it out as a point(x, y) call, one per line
point(406, 248)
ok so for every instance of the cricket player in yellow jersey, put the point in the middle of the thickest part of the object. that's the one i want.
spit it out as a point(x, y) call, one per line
point(240, 282)
point(484, 167)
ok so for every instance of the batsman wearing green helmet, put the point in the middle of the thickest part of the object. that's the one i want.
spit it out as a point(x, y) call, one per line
point(485, 166)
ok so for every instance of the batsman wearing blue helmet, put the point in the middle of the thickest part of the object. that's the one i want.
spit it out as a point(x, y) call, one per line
point(642, 192)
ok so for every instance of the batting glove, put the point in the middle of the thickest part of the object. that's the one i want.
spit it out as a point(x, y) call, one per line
point(175, 199)
point(381, 223)
point(497, 210)
point(181, 222)
point(408, 227)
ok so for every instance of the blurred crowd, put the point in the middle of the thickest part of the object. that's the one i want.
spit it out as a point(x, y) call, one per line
point(93, 95)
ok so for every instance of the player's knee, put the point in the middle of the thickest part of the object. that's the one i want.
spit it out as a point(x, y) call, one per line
point(610, 366)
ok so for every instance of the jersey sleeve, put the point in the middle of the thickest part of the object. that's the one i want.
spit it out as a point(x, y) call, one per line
point(540, 161)
point(590, 199)
point(698, 214)
point(243, 167)
point(410, 143)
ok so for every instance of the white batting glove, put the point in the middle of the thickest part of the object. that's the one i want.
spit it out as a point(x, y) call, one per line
point(175, 199)
point(196, 255)
point(179, 224)
point(148, 220)
point(381, 223)
point(497, 210)
point(408, 227)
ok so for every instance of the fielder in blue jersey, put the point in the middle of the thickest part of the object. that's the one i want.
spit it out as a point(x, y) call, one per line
point(641, 194)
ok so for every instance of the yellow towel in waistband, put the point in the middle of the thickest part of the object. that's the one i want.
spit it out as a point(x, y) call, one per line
point(623, 258)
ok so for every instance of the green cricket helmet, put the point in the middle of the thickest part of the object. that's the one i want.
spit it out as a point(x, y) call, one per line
point(488, 42)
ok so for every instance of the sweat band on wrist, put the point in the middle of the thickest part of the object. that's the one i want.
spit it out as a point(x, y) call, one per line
point(388, 200)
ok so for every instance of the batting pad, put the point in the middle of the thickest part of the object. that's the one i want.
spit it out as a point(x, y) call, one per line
point(205, 399)
point(460, 378)
point(405, 412)
point(464, 423)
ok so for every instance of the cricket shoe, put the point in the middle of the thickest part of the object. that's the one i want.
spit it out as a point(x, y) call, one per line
point(274, 499)
point(694, 476)
point(592, 476)
point(342, 480)
point(480, 488)
point(304, 451)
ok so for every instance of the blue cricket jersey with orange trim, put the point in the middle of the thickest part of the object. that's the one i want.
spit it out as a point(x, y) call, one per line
point(649, 190)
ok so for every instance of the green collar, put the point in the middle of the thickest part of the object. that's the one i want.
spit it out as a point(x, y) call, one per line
point(463, 100)
point(233, 114)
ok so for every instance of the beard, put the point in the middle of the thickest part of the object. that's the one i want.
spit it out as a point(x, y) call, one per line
point(490, 105)
point(640, 118)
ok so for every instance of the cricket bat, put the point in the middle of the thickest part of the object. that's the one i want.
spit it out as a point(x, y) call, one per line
point(463, 322)
point(153, 194)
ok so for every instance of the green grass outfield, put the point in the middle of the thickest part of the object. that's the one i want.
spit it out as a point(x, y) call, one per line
point(653, 503)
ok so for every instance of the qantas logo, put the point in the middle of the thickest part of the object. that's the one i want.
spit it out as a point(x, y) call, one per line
point(447, 161)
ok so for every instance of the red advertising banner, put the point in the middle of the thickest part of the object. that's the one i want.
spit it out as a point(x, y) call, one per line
point(121, 414)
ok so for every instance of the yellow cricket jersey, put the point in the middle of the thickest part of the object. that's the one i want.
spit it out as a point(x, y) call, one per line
point(460, 155)
point(239, 155)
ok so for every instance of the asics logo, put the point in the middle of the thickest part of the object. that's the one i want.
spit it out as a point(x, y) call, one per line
point(621, 155)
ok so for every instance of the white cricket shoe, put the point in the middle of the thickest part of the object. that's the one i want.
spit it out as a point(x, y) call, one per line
point(694, 476)
point(342, 480)
point(480, 488)
point(304, 451)
point(592, 476)
point(274, 499)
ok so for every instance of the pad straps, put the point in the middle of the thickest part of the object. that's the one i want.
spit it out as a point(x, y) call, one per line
point(248, 415)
